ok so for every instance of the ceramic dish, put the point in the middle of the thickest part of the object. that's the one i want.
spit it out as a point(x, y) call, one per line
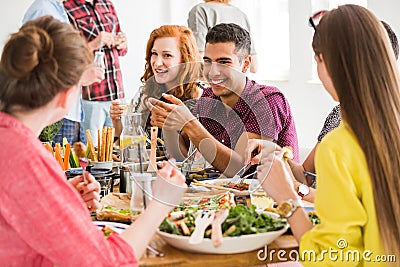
point(230, 245)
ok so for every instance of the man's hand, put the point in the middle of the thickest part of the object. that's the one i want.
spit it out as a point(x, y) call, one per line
point(89, 192)
point(91, 75)
point(273, 172)
point(169, 116)
point(103, 39)
point(120, 41)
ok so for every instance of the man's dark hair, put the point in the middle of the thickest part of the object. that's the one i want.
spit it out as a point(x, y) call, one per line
point(230, 32)
point(393, 38)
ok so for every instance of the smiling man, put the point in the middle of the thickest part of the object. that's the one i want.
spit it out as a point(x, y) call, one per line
point(233, 109)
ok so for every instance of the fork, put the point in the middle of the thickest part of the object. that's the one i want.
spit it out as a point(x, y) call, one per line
point(183, 161)
point(242, 179)
point(236, 178)
point(83, 162)
point(202, 221)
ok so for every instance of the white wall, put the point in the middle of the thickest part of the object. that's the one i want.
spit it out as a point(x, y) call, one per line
point(310, 103)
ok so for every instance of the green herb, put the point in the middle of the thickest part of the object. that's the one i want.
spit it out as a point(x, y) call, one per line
point(122, 211)
point(49, 132)
point(314, 218)
point(247, 221)
point(241, 220)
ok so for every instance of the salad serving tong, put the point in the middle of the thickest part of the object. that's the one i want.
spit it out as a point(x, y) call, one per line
point(203, 219)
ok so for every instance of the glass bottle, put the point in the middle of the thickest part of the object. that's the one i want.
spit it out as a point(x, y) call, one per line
point(133, 140)
point(99, 59)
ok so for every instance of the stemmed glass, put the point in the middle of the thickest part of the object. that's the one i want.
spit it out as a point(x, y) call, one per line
point(259, 197)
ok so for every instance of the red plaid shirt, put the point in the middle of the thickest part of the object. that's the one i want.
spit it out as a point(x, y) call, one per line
point(90, 20)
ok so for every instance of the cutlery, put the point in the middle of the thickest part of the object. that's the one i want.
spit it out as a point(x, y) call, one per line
point(84, 162)
point(195, 182)
point(244, 177)
point(236, 178)
point(80, 151)
point(310, 174)
point(155, 251)
point(202, 221)
point(216, 232)
point(183, 161)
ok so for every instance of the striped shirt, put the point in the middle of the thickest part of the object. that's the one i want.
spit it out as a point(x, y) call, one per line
point(90, 20)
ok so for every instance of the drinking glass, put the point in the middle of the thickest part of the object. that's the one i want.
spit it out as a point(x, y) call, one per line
point(126, 104)
point(99, 59)
point(259, 197)
point(141, 193)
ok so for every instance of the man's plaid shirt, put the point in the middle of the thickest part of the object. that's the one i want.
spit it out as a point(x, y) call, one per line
point(90, 20)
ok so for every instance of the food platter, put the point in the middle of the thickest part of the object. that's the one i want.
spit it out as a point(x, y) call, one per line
point(223, 182)
point(244, 229)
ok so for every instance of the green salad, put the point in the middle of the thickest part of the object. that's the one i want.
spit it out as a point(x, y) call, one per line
point(314, 218)
point(242, 220)
point(122, 211)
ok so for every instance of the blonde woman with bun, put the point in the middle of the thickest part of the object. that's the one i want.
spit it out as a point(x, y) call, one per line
point(45, 220)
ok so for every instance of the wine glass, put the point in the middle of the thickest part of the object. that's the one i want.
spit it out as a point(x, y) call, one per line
point(259, 197)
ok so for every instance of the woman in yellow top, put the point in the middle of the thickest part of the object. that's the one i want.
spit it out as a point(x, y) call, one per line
point(358, 164)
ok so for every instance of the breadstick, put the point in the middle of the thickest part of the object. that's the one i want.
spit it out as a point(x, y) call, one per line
point(98, 144)
point(103, 144)
point(107, 156)
point(111, 143)
point(91, 146)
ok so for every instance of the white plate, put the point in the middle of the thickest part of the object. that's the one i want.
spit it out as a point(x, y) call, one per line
point(117, 227)
point(235, 244)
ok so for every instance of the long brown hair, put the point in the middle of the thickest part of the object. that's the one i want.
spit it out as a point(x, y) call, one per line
point(362, 66)
point(190, 73)
point(42, 59)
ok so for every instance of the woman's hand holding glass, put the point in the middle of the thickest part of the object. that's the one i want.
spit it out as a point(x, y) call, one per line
point(89, 192)
point(116, 110)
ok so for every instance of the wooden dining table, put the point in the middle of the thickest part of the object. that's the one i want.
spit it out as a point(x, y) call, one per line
point(176, 257)
point(285, 245)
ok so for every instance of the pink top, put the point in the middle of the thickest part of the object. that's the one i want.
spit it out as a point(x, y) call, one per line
point(43, 220)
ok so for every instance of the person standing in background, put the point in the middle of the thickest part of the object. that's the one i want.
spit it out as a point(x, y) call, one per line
point(204, 16)
point(71, 127)
point(98, 23)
